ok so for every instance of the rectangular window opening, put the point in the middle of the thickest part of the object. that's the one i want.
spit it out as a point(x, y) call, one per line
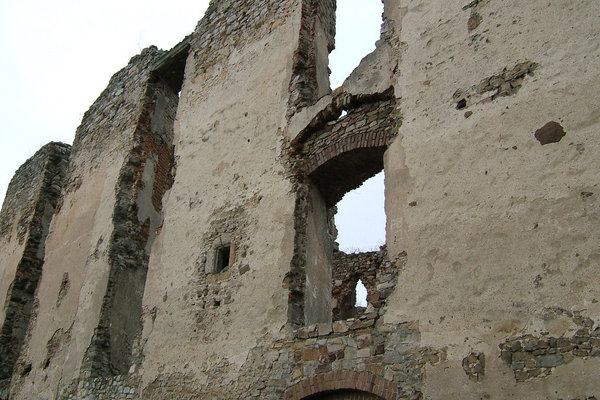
point(223, 259)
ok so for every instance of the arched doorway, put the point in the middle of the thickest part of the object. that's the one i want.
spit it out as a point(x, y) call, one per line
point(343, 385)
point(344, 395)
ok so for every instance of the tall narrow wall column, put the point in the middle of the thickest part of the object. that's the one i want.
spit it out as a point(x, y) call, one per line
point(142, 182)
point(24, 220)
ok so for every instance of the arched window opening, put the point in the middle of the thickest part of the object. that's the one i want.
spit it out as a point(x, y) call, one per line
point(360, 295)
point(358, 26)
point(338, 157)
point(360, 217)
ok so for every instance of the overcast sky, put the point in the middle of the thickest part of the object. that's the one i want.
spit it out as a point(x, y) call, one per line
point(58, 56)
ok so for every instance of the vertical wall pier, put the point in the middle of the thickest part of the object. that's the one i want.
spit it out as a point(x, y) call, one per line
point(24, 221)
point(143, 180)
point(310, 79)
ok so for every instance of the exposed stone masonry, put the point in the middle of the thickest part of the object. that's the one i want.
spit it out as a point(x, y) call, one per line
point(324, 139)
point(29, 182)
point(376, 272)
point(149, 164)
point(362, 345)
point(263, 151)
point(342, 153)
point(230, 24)
point(474, 366)
point(41, 178)
point(368, 125)
point(340, 101)
point(536, 357)
point(304, 88)
point(346, 385)
point(353, 344)
point(295, 280)
point(211, 291)
point(382, 350)
point(506, 83)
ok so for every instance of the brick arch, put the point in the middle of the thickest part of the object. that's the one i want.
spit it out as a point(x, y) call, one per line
point(346, 171)
point(338, 153)
point(344, 395)
point(361, 140)
point(370, 385)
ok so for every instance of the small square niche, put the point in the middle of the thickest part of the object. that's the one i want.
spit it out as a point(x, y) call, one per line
point(221, 255)
point(222, 259)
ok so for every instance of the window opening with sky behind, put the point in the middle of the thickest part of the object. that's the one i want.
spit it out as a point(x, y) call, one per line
point(360, 218)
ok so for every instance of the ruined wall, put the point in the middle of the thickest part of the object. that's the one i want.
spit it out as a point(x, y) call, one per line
point(231, 187)
point(24, 220)
point(482, 115)
point(96, 250)
point(499, 224)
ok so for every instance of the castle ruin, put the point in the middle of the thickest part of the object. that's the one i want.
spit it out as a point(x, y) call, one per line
point(184, 247)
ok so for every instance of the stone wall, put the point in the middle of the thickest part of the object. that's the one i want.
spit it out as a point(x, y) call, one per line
point(25, 218)
point(231, 188)
point(483, 116)
point(142, 182)
point(377, 273)
point(120, 168)
point(339, 152)
point(310, 79)
point(485, 196)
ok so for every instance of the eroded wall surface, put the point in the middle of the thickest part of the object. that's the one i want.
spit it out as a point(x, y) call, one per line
point(209, 269)
point(231, 189)
point(492, 190)
point(30, 201)
point(88, 302)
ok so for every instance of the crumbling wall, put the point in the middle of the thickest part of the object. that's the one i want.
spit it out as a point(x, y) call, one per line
point(492, 204)
point(310, 79)
point(96, 250)
point(331, 155)
point(25, 218)
point(143, 180)
point(377, 273)
point(482, 115)
point(231, 187)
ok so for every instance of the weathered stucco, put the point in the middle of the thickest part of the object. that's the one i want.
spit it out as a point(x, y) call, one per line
point(25, 218)
point(483, 116)
point(501, 227)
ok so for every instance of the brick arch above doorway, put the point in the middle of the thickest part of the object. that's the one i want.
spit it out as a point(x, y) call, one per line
point(344, 395)
point(350, 382)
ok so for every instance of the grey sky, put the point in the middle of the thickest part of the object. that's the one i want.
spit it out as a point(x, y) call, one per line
point(58, 56)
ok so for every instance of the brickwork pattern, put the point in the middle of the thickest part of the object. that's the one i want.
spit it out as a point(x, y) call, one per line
point(368, 125)
point(361, 381)
point(345, 395)
point(323, 135)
